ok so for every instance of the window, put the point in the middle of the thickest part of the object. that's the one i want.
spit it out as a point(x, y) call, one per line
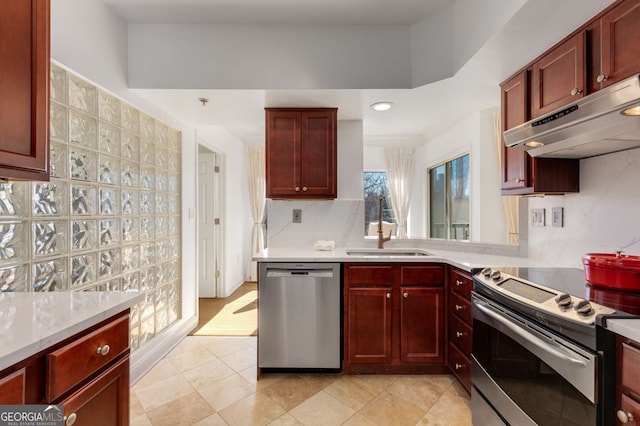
point(449, 200)
point(376, 186)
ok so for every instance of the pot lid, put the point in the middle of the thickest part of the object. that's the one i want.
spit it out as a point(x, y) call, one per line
point(612, 260)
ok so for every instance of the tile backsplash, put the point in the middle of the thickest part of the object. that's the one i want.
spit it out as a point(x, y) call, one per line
point(109, 219)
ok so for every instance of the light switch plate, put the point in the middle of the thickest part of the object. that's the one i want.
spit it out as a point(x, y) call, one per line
point(537, 217)
point(557, 217)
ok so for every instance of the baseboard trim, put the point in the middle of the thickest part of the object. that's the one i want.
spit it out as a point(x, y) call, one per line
point(153, 351)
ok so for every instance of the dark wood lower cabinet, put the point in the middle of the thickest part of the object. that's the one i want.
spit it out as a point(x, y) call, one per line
point(87, 373)
point(394, 318)
point(104, 401)
point(421, 325)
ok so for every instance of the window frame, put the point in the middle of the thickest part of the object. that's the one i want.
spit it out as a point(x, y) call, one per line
point(394, 219)
point(427, 176)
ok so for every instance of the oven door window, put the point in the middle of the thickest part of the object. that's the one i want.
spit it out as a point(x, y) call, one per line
point(531, 384)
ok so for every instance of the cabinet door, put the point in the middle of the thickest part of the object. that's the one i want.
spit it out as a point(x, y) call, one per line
point(104, 401)
point(515, 111)
point(368, 328)
point(559, 76)
point(422, 325)
point(24, 85)
point(12, 388)
point(282, 153)
point(620, 41)
point(318, 154)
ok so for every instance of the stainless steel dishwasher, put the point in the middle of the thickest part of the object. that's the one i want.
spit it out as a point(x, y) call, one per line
point(299, 315)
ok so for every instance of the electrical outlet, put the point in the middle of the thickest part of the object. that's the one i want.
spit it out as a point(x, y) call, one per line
point(537, 217)
point(557, 217)
point(297, 216)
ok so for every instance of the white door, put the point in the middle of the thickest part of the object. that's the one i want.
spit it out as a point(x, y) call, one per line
point(208, 273)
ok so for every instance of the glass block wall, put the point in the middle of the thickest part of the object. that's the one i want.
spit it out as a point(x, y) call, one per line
point(109, 219)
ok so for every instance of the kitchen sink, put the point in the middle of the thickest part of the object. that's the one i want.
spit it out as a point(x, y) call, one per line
point(388, 252)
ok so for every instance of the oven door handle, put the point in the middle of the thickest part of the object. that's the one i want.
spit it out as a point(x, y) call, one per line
point(550, 346)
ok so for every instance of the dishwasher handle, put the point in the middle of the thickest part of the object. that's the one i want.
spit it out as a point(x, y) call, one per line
point(300, 273)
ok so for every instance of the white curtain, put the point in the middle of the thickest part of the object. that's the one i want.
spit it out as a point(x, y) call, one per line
point(256, 178)
point(509, 203)
point(400, 167)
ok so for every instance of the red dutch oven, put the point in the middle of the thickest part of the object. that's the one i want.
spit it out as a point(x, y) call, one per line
point(612, 270)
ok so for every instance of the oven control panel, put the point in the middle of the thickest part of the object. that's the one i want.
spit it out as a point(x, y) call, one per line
point(543, 298)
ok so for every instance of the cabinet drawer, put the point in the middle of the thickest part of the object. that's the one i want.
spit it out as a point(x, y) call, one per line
point(630, 370)
point(421, 276)
point(460, 334)
point(460, 307)
point(461, 283)
point(74, 362)
point(630, 406)
point(460, 366)
point(365, 275)
point(12, 388)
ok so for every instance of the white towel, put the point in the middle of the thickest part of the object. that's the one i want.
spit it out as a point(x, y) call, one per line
point(323, 245)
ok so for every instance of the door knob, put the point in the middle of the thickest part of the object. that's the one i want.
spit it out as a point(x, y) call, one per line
point(624, 417)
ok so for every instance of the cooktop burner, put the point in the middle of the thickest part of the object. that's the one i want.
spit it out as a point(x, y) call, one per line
point(558, 298)
point(572, 281)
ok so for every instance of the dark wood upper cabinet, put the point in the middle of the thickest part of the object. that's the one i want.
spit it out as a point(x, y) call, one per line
point(559, 76)
point(619, 43)
point(522, 174)
point(515, 111)
point(24, 84)
point(301, 153)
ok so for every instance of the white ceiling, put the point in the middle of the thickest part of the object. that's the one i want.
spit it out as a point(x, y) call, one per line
point(323, 12)
point(418, 112)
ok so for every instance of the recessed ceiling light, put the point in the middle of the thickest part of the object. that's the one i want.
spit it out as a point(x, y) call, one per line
point(381, 106)
point(632, 111)
point(534, 144)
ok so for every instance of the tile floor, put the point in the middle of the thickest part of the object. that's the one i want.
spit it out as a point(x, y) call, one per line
point(210, 380)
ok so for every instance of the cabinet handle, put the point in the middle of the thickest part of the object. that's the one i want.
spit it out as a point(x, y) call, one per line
point(602, 77)
point(405, 295)
point(460, 334)
point(304, 189)
point(297, 189)
point(458, 366)
point(459, 283)
point(459, 307)
point(388, 295)
point(103, 350)
point(71, 419)
point(624, 417)
point(575, 91)
point(519, 180)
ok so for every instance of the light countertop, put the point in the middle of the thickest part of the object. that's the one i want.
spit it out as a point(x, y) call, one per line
point(459, 259)
point(31, 322)
point(629, 328)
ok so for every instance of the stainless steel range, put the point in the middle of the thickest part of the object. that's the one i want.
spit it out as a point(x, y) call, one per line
point(540, 353)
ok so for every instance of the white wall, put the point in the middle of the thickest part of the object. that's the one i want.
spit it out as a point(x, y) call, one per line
point(472, 135)
point(236, 220)
point(269, 57)
point(601, 218)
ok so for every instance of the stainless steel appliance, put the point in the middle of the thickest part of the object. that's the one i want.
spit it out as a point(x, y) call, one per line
point(540, 355)
point(603, 122)
point(299, 315)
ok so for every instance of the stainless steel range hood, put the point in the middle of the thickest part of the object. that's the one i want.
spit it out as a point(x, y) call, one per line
point(593, 125)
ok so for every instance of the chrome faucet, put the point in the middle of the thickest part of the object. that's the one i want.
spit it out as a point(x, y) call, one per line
point(381, 238)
